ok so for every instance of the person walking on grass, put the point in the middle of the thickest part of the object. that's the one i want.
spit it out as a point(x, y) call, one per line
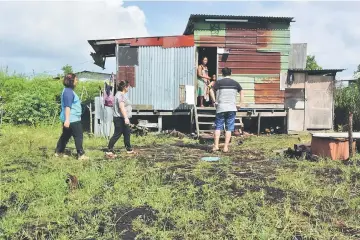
point(70, 117)
point(122, 114)
point(226, 92)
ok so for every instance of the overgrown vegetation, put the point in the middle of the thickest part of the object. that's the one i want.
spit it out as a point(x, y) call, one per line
point(311, 63)
point(347, 101)
point(167, 192)
point(31, 101)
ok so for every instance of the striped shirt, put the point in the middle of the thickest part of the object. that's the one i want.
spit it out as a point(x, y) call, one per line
point(226, 94)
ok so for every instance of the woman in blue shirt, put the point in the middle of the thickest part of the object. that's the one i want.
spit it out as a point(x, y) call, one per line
point(70, 116)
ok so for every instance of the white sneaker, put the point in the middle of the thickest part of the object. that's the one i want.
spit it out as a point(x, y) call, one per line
point(83, 158)
point(61, 155)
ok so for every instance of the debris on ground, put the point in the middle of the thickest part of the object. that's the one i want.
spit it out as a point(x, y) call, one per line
point(177, 134)
point(139, 130)
point(301, 152)
point(246, 134)
point(72, 182)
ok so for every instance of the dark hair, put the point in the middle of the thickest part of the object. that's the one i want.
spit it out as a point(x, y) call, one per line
point(122, 85)
point(69, 80)
point(204, 58)
point(226, 71)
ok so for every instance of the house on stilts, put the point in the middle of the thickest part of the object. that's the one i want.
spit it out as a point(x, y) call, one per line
point(163, 73)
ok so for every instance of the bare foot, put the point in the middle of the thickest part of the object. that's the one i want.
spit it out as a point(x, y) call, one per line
point(215, 149)
point(225, 150)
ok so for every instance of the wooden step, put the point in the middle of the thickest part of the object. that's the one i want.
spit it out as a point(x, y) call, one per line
point(207, 123)
point(211, 123)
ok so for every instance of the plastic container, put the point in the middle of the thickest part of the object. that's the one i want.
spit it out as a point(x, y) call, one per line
point(329, 147)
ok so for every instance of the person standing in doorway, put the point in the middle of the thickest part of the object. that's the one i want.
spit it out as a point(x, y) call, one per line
point(70, 117)
point(203, 78)
point(226, 93)
point(122, 115)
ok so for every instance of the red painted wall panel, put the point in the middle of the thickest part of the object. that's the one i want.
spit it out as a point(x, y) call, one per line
point(247, 64)
point(166, 42)
point(127, 73)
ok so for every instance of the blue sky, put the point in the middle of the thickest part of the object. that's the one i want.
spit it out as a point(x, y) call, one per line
point(43, 36)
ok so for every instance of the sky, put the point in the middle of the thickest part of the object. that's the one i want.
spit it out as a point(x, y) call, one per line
point(39, 37)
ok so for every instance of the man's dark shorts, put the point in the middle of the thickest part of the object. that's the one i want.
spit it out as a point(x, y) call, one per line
point(227, 118)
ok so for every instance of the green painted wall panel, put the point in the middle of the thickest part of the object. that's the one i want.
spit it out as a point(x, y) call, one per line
point(209, 26)
point(220, 33)
point(248, 98)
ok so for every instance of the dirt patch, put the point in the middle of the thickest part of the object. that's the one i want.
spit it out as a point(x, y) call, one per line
point(355, 177)
point(167, 224)
point(202, 147)
point(248, 156)
point(13, 198)
point(40, 231)
point(274, 195)
point(197, 182)
point(350, 231)
point(123, 217)
point(250, 175)
point(101, 228)
point(332, 175)
point(218, 172)
point(3, 210)
point(328, 207)
point(25, 164)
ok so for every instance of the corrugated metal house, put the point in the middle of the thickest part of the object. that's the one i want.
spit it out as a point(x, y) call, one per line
point(256, 48)
point(162, 70)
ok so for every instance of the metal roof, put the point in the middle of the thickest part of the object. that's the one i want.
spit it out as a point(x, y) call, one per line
point(318, 71)
point(195, 17)
point(106, 47)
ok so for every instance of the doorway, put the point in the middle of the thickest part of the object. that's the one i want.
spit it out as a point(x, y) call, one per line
point(211, 54)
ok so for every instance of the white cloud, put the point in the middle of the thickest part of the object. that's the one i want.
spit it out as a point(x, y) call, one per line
point(47, 35)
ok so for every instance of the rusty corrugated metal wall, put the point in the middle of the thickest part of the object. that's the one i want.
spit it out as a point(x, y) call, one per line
point(258, 55)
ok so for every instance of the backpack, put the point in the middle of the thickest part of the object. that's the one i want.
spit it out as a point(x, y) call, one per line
point(109, 100)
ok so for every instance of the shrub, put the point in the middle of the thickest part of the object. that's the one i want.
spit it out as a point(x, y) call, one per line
point(31, 101)
point(31, 108)
point(347, 100)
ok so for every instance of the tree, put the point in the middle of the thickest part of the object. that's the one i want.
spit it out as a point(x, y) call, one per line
point(311, 63)
point(67, 69)
point(348, 98)
point(357, 73)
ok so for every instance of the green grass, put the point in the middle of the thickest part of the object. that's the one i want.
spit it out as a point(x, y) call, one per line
point(167, 192)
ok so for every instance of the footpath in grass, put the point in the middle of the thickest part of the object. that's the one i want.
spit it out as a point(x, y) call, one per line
point(168, 192)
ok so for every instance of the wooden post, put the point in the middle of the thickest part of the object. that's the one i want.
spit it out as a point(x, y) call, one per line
point(259, 119)
point(159, 123)
point(91, 125)
point(351, 150)
point(191, 120)
point(196, 122)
